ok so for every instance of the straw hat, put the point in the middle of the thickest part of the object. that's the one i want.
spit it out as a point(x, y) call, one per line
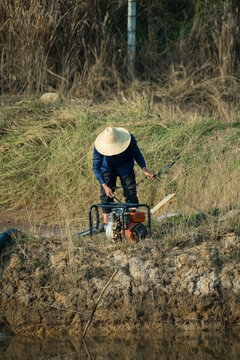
point(112, 141)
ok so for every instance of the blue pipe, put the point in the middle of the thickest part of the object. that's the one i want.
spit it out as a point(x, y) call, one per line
point(8, 235)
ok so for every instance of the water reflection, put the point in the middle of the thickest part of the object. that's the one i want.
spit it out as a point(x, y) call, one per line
point(197, 346)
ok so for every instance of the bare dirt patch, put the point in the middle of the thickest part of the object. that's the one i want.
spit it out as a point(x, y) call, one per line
point(50, 286)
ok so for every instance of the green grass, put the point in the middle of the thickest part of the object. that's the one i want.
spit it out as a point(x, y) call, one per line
point(46, 155)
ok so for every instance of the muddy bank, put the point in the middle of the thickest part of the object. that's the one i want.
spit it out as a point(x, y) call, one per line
point(50, 286)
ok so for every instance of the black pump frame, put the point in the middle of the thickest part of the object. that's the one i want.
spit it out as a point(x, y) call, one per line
point(124, 207)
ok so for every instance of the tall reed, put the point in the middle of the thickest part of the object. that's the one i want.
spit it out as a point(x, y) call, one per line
point(80, 48)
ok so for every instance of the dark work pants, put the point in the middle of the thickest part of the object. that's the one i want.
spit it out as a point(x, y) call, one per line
point(129, 189)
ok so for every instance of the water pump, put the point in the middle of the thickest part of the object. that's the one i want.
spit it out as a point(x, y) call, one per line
point(126, 221)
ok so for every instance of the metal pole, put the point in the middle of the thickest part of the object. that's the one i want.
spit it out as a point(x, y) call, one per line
point(131, 34)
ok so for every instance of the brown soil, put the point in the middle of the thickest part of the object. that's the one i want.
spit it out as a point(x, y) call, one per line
point(50, 286)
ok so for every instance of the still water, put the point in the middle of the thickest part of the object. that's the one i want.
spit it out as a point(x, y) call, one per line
point(177, 346)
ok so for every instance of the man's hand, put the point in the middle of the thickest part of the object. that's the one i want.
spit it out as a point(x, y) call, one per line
point(149, 174)
point(108, 191)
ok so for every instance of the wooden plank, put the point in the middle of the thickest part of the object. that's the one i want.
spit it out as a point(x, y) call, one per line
point(161, 203)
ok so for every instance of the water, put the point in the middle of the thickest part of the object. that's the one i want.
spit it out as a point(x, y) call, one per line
point(174, 346)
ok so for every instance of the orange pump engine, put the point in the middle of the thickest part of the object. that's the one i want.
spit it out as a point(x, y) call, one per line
point(128, 225)
point(126, 221)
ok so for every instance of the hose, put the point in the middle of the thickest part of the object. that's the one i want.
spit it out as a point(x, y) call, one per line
point(8, 235)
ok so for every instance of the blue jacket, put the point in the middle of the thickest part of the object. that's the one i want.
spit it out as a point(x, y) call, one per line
point(121, 164)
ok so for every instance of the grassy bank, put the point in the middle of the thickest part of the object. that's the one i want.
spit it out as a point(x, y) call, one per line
point(46, 154)
point(186, 274)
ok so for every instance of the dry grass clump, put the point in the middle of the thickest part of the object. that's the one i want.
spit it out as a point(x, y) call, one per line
point(189, 89)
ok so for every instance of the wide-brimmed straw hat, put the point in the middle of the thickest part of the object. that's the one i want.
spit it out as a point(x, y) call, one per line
point(112, 141)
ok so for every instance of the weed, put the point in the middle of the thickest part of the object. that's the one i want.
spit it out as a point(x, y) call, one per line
point(235, 255)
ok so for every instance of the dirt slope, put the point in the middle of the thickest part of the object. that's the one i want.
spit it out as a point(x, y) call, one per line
point(50, 286)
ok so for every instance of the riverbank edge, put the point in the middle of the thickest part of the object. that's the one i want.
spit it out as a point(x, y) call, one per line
point(51, 287)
